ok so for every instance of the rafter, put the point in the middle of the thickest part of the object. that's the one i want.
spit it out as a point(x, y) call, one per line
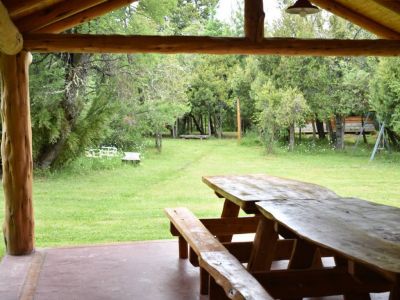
point(21, 8)
point(57, 12)
point(358, 19)
point(10, 38)
point(207, 45)
point(85, 16)
point(391, 5)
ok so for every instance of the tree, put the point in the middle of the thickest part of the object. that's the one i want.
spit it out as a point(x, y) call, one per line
point(278, 110)
point(385, 96)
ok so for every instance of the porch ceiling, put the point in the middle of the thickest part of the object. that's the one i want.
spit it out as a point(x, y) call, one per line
point(55, 16)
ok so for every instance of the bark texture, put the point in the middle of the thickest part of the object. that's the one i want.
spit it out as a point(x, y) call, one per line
point(16, 150)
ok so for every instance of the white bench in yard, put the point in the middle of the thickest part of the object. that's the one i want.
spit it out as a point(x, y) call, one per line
point(131, 156)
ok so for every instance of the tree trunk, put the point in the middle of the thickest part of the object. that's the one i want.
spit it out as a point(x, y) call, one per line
point(314, 130)
point(158, 141)
point(198, 126)
point(209, 125)
point(291, 137)
point(76, 75)
point(16, 150)
point(340, 127)
point(331, 132)
point(363, 131)
point(320, 129)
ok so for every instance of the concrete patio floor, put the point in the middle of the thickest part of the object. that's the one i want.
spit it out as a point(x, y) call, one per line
point(137, 270)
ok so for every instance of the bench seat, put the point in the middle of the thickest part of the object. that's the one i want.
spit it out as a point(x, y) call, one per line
point(225, 270)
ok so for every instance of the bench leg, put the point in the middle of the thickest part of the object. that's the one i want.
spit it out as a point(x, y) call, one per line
point(183, 248)
point(230, 210)
point(204, 282)
point(216, 292)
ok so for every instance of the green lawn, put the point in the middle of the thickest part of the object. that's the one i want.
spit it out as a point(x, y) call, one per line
point(125, 203)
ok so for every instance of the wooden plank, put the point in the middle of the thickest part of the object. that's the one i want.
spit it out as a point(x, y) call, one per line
point(246, 190)
point(358, 19)
point(10, 37)
point(359, 230)
point(318, 283)
point(62, 10)
point(85, 16)
point(230, 274)
point(226, 226)
point(242, 250)
point(81, 43)
point(229, 226)
point(16, 152)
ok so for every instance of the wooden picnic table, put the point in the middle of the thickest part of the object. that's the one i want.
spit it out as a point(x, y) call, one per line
point(243, 191)
point(364, 236)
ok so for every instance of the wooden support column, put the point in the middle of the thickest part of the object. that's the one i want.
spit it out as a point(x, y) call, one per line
point(16, 150)
point(254, 20)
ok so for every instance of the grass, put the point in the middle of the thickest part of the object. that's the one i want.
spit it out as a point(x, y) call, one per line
point(107, 201)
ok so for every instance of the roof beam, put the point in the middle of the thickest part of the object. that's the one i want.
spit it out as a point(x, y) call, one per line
point(20, 8)
point(84, 43)
point(391, 5)
point(358, 19)
point(85, 16)
point(254, 20)
point(10, 38)
point(60, 11)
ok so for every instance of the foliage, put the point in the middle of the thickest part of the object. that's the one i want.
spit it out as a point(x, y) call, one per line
point(278, 109)
point(385, 92)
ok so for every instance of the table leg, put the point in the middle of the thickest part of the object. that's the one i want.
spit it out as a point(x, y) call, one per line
point(262, 254)
point(204, 282)
point(303, 255)
point(183, 248)
point(216, 292)
point(230, 210)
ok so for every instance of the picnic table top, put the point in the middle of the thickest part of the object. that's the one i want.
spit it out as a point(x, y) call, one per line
point(362, 231)
point(245, 190)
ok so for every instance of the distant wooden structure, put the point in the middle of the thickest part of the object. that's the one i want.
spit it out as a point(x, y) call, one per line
point(352, 125)
point(194, 136)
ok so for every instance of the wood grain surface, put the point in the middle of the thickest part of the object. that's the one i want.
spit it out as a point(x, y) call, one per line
point(245, 190)
point(362, 231)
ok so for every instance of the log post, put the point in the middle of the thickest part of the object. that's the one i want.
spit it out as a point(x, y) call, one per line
point(254, 20)
point(16, 150)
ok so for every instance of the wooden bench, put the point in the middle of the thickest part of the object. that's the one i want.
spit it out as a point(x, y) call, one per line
point(228, 277)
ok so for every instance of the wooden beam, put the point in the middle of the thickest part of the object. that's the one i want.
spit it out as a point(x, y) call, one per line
point(74, 43)
point(58, 12)
point(21, 8)
point(254, 20)
point(391, 5)
point(85, 16)
point(16, 150)
point(10, 37)
point(358, 19)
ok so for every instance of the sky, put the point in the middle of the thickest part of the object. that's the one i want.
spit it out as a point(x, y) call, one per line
point(226, 7)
